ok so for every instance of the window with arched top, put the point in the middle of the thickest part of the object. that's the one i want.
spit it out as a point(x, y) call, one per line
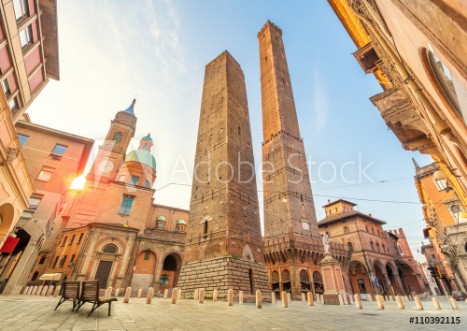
point(350, 246)
point(447, 85)
point(346, 229)
point(118, 137)
point(372, 246)
point(110, 249)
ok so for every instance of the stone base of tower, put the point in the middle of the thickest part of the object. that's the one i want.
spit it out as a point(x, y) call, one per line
point(224, 273)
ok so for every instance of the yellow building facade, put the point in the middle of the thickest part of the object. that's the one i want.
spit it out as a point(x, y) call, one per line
point(417, 51)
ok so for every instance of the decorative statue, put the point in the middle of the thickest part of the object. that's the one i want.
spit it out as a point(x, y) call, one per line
point(326, 243)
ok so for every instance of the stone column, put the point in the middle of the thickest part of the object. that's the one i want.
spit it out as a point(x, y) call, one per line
point(453, 303)
point(400, 302)
point(166, 293)
point(284, 299)
point(418, 302)
point(273, 298)
point(230, 297)
point(240, 297)
point(259, 299)
point(140, 293)
point(358, 301)
point(201, 295)
point(310, 299)
point(150, 295)
point(174, 296)
point(126, 299)
point(436, 302)
point(215, 294)
point(380, 301)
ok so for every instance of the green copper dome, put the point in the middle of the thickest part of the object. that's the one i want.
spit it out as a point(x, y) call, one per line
point(141, 156)
point(148, 137)
point(160, 218)
point(181, 222)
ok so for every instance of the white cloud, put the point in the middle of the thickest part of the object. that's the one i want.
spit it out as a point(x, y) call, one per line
point(320, 101)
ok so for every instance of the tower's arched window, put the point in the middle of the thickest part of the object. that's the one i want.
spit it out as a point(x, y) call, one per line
point(118, 137)
point(346, 229)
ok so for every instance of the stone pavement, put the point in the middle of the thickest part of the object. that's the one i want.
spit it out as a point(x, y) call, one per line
point(37, 313)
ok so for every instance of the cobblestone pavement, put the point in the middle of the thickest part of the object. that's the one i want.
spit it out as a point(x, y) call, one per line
point(37, 313)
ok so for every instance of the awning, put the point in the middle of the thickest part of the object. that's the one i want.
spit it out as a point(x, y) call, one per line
point(9, 245)
point(51, 276)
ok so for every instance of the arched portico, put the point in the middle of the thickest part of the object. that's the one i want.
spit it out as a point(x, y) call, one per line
point(359, 279)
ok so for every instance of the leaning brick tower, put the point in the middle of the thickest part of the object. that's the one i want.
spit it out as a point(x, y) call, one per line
point(224, 247)
point(293, 247)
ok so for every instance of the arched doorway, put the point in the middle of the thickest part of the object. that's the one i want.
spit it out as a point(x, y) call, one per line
point(318, 283)
point(104, 268)
point(392, 279)
point(144, 270)
point(305, 281)
point(286, 285)
point(170, 271)
point(275, 286)
point(380, 280)
point(359, 279)
point(408, 278)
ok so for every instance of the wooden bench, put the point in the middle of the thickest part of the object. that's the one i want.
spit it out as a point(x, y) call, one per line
point(70, 292)
point(90, 293)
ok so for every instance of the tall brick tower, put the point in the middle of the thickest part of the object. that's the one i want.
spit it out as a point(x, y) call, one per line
point(292, 240)
point(224, 247)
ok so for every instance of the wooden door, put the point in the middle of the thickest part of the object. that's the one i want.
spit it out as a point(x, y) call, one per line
point(103, 272)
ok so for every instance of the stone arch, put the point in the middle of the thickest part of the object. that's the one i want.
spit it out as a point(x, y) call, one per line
point(7, 214)
point(275, 282)
point(110, 249)
point(102, 242)
point(359, 278)
point(305, 281)
point(392, 273)
point(318, 285)
point(408, 279)
point(171, 265)
point(286, 281)
point(380, 277)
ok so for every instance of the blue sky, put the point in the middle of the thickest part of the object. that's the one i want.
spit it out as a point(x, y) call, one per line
point(113, 51)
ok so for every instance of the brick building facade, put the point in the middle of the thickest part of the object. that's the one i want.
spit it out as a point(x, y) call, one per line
point(110, 229)
point(378, 261)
